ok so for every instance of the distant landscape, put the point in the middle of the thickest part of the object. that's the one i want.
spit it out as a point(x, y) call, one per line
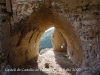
point(45, 40)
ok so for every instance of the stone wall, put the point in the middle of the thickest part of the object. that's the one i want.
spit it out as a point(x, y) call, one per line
point(90, 37)
point(23, 8)
point(58, 41)
point(87, 21)
point(4, 36)
point(4, 27)
point(83, 15)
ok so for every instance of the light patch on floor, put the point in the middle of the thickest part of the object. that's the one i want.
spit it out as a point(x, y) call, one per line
point(58, 64)
point(49, 62)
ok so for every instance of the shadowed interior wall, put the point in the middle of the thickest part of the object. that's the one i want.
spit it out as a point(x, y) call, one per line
point(58, 41)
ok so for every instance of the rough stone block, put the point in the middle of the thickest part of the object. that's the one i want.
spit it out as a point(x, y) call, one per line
point(8, 5)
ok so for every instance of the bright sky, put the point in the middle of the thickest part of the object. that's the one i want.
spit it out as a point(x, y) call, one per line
point(49, 29)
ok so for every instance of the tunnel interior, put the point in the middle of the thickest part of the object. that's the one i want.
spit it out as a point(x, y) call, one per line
point(27, 40)
point(77, 32)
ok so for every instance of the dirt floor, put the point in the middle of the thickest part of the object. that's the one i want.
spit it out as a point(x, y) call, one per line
point(49, 62)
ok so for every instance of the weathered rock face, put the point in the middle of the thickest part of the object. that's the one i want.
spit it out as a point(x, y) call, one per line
point(32, 17)
point(4, 36)
point(4, 28)
point(58, 41)
point(27, 38)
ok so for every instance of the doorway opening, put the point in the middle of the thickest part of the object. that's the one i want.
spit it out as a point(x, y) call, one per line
point(50, 57)
point(45, 40)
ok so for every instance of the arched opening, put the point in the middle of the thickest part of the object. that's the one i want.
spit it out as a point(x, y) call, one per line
point(50, 59)
point(28, 39)
point(45, 40)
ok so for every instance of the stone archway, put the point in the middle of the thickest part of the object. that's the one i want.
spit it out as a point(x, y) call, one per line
point(25, 43)
point(84, 16)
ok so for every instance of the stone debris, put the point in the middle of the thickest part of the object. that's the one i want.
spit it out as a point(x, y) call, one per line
point(46, 65)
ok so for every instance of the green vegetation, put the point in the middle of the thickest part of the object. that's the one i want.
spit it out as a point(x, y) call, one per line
point(66, 55)
point(45, 40)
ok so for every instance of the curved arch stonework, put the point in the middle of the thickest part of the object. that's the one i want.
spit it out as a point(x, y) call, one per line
point(27, 42)
point(77, 20)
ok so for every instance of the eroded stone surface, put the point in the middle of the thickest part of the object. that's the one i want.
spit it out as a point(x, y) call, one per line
point(82, 32)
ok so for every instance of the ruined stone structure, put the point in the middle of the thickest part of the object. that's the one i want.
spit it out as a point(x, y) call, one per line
point(22, 22)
